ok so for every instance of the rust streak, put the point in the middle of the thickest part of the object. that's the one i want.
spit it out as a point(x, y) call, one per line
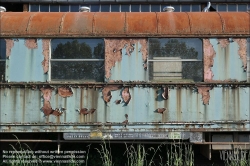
point(242, 52)
point(45, 62)
point(9, 46)
point(204, 91)
point(31, 43)
point(209, 54)
point(65, 91)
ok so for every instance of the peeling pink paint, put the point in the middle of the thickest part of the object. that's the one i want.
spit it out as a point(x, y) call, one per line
point(31, 43)
point(209, 54)
point(106, 92)
point(126, 95)
point(204, 91)
point(242, 51)
point(65, 91)
point(9, 46)
point(47, 110)
point(47, 92)
point(223, 42)
point(113, 51)
point(45, 62)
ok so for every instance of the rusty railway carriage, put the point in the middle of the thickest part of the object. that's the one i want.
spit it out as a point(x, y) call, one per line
point(127, 76)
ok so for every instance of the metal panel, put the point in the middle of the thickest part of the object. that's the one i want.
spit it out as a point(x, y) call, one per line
point(130, 68)
point(25, 64)
point(123, 24)
point(227, 64)
point(228, 110)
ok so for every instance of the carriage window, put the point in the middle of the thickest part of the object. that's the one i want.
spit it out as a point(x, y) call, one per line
point(175, 59)
point(77, 59)
point(2, 59)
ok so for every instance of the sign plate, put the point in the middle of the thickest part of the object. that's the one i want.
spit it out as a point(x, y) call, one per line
point(125, 135)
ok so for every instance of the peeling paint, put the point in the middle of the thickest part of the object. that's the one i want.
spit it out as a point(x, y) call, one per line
point(160, 110)
point(46, 52)
point(47, 110)
point(47, 92)
point(92, 110)
point(223, 42)
point(242, 51)
point(65, 91)
point(209, 54)
point(9, 46)
point(126, 95)
point(204, 91)
point(106, 92)
point(117, 101)
point(31, 43)
point(165, 93)
point(113, 51)
point(83, 111)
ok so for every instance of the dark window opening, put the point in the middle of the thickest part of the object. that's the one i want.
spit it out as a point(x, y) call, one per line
point(2, 59)
point(175, 59)
point(77, 59)
point(13, 7)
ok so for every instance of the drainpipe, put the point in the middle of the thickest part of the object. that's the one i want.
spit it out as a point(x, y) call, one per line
point(168, 9)
point(84, 9)
point(2, 9)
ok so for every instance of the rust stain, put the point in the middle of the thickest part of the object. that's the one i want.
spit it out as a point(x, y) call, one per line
point(126, 95)
point(9, 46)
point(106, 92)
point(113, 51)
point(92, 110)
point(242, 51)
point(223, 42)
point(209, 54)
point(31, 43)
point(45, 62)
point(204, 91)
point(47, 110)
point(65, 91)
point(47, 92)
point(83, 111)
point(57, 112)
point(117, 101)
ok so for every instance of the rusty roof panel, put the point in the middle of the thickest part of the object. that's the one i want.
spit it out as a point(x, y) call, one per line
point(205, 23)
point(235, 22)
point(123, 24)
point(77, 23)
point(109, 23)
point(141, 23)
point(173, 23)
point(10, 22)
point(44, 23)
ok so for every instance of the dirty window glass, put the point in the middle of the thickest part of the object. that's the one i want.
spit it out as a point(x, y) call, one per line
point(155, 8)
point(34, 8)
point(74, 8)
point(54, 8)
point(176, 8)
point(105, 8)
point(232, 8)
point(124, 8)
point(222, 8)
point(64, 8)
point(135, 8)
point(242, 8)
point(175, 59)
point(44, 8)
point(2, 59)
point(115, 8)
point(185, 8)
point(144, 8)
point(77, 59)
point(196, 8)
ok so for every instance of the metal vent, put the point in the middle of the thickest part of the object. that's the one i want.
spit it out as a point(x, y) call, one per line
point(168, 9)
point(84, 9)
point(2, 9)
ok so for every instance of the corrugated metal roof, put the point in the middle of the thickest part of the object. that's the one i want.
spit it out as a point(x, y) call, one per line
point(121, 24)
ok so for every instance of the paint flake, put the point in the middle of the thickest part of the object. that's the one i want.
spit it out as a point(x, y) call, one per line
point(31, 43)
point(209, 54)
point(204, 91)
point(9, 46)
point(242, 52)
point(45, 62)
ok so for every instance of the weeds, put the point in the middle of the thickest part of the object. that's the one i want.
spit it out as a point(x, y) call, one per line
point(238, 158)
point(105, 153)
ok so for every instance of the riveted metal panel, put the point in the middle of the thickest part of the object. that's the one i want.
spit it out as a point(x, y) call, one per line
point(200, 25)
point(141, 23)
point(77, 23)
point(173, 23)
point(109, 23)
point(10, 22)
point(45, 23)
point(25, 64)
point(235, 24)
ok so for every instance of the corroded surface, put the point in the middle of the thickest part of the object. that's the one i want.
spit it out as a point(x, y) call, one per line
point(209, 55)
point(31, 43)
point(113, 51)
point(46, 52)
point(106, 92)
point(223, 42)
point(9, 45)
point(204, 91)
point(47, 91)
point(65, 91)
point(242, 51)
point(134, 24)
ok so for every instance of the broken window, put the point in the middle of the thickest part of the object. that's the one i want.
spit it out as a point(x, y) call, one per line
point(175, 59)
point(77, 59)
point(2, 59)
